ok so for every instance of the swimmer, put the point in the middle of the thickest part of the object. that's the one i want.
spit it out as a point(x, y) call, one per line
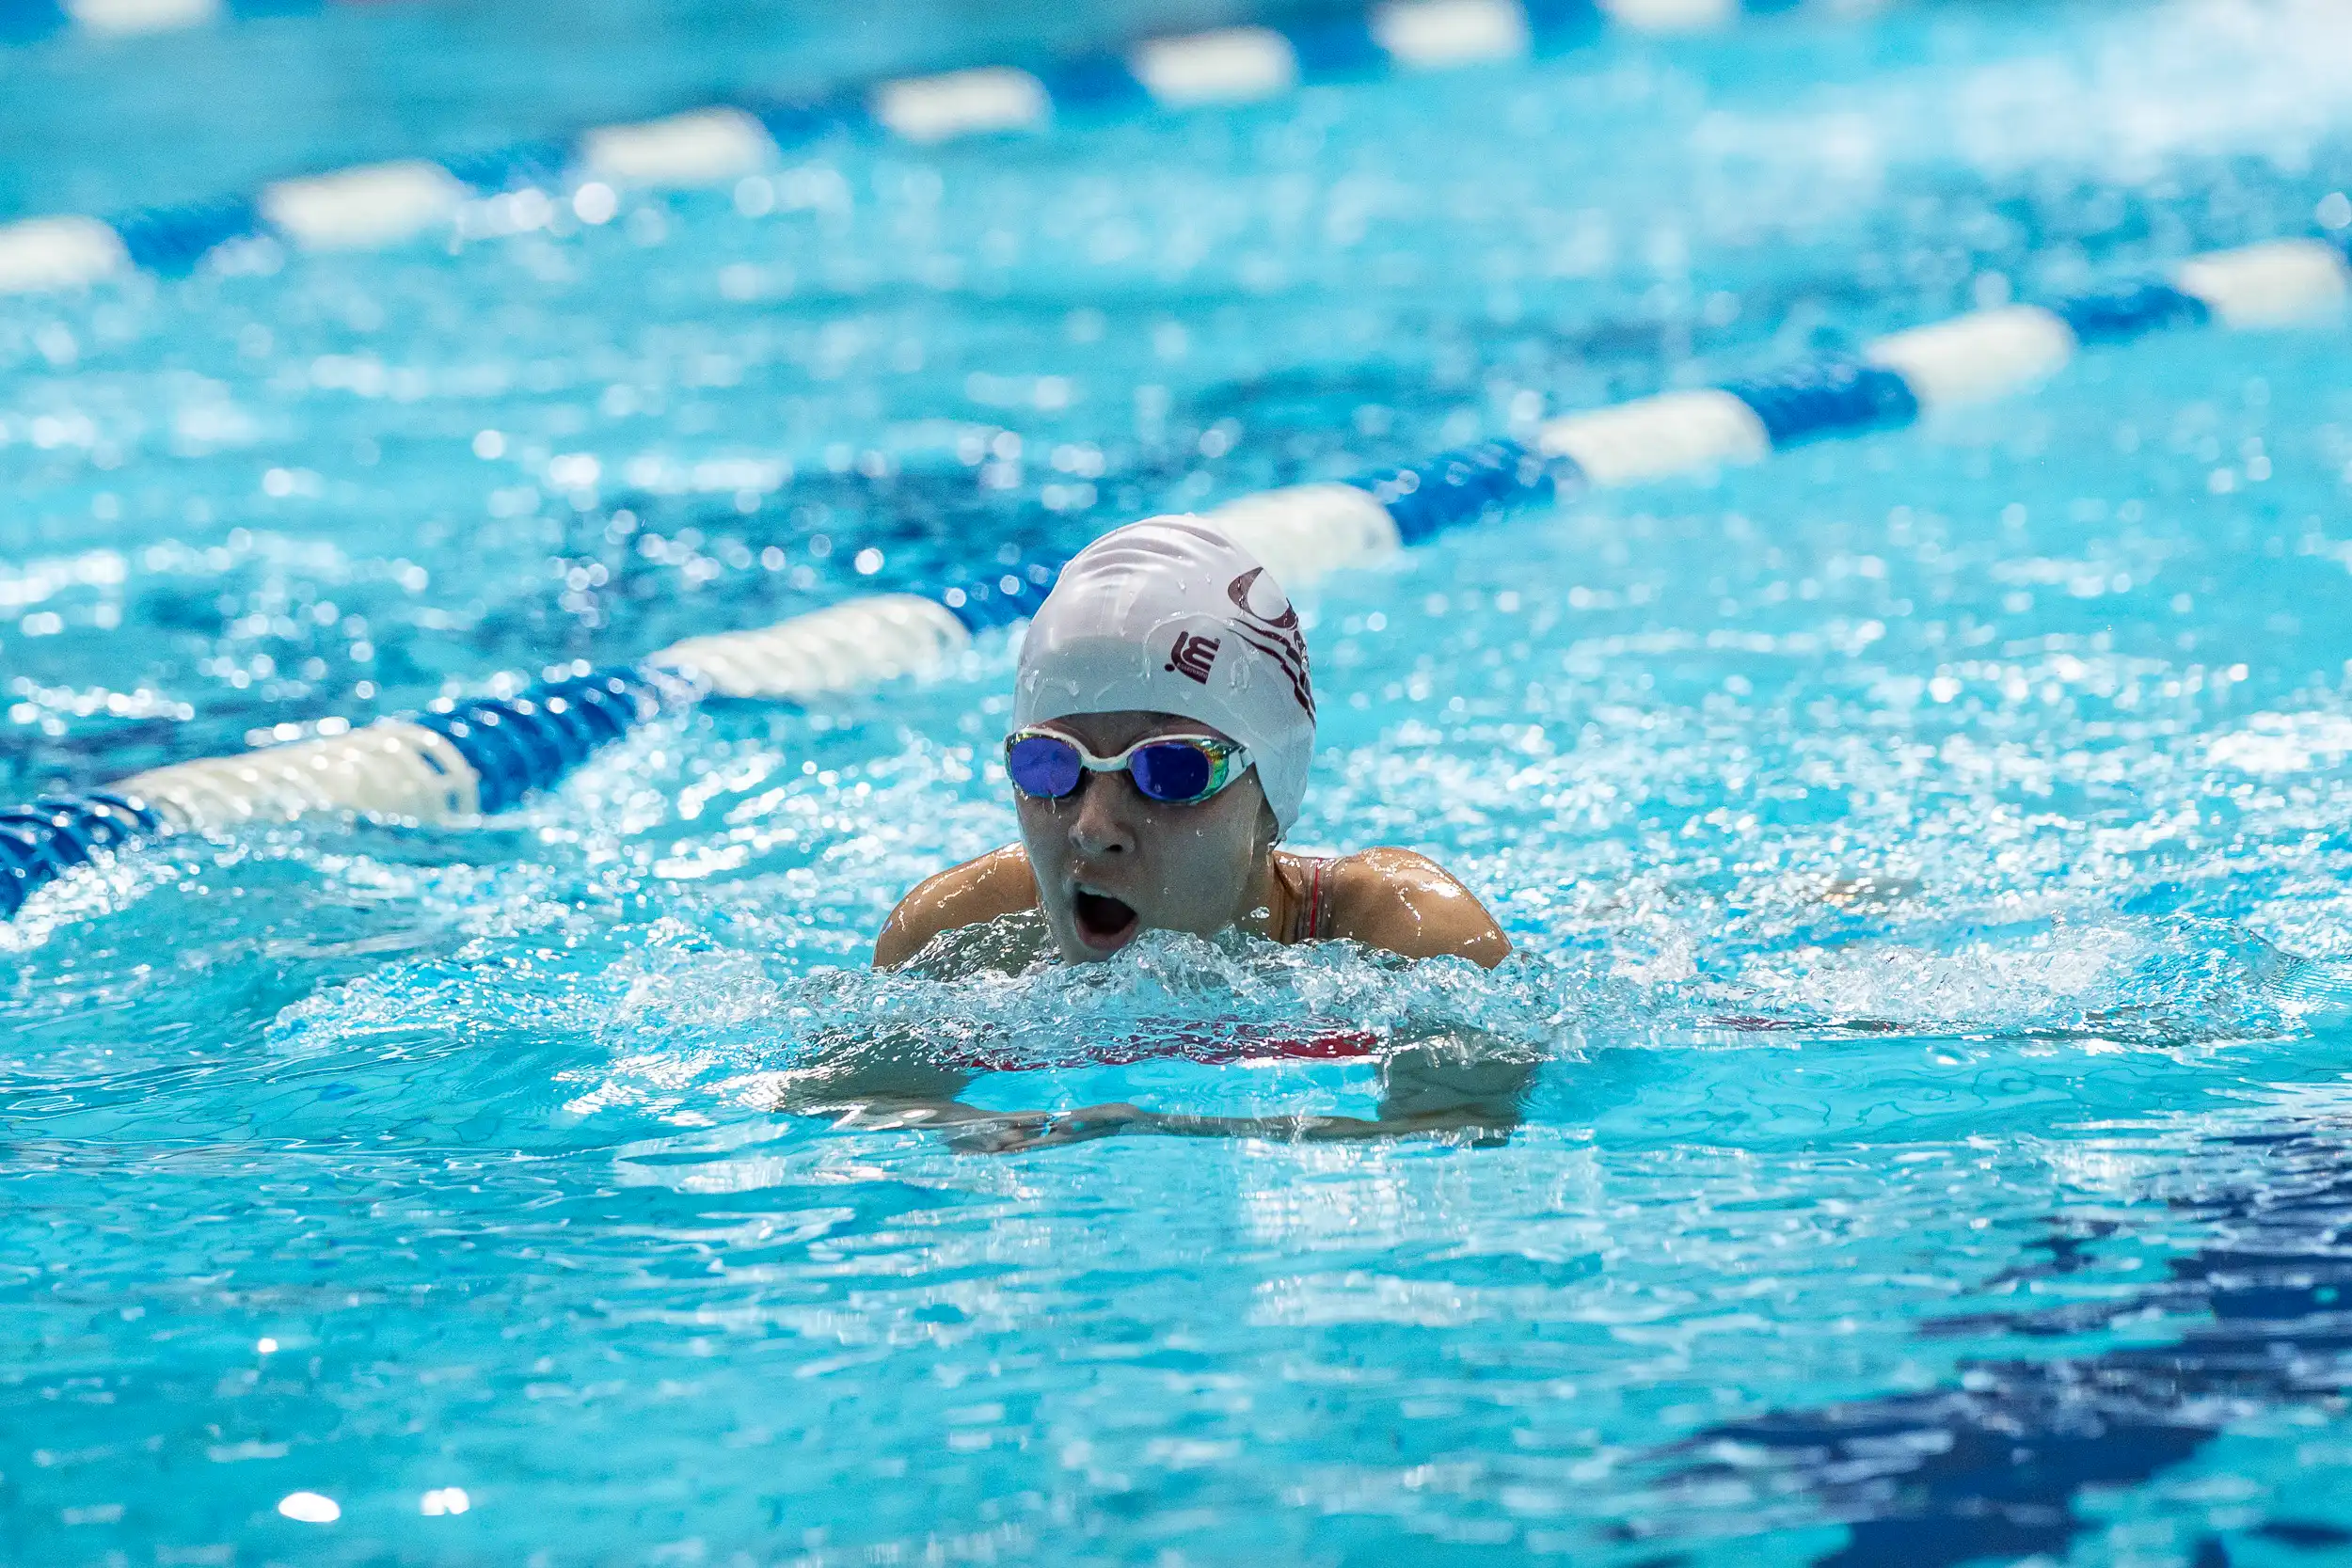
point(1163, 724)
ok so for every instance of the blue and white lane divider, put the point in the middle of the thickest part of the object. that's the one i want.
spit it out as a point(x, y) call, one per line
point(465, 758)
point(26, 21)
point(384, 204)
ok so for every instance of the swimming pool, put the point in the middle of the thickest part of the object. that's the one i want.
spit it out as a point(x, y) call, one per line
point(1927, 851)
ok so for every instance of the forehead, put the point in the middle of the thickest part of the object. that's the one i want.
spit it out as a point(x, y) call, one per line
point(1105, 733)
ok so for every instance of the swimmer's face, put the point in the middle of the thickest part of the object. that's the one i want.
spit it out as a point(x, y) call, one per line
point(1111, 864)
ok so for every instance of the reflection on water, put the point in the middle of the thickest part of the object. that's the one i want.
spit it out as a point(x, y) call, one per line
point(2013, 1455)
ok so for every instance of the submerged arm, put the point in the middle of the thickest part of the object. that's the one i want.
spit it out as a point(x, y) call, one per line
point(879, 1083)
point(1430, 1090)
point(895, 1080)
point(1440, 1089)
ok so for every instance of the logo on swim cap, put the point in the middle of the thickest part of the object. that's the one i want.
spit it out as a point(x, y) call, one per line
point(1193, 654)
point(1276, 636)
point(1243, 588)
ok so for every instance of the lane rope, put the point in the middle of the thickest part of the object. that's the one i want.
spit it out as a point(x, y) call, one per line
point(468, 757)
point(377, 205)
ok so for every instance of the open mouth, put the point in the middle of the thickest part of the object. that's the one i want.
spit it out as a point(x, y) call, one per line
point(1103, 922)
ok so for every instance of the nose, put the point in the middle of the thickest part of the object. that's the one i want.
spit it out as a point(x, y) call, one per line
point(1104, 825)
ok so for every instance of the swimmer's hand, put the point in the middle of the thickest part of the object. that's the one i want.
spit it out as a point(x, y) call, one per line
point(1466, 1125)
point(969, 1128)
point(1028, 1129)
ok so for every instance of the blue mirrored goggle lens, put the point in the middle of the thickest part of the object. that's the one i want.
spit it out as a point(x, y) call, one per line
point(1040, 765)
point(1173, 771)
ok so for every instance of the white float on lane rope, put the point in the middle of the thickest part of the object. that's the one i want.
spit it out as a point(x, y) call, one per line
point(1308, 532)
point(58, 253)
point(2278, 284)
point(847, 647)
point(1438, 34)
point(124, 17)
point(1232, 64)
point(1979, 357)
point(387, 768)
point(962, 103)
point(1670, 16)
point(354, 209)
point(703, 147)
point(1656, 438)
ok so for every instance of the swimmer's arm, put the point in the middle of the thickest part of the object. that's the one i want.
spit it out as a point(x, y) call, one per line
point(999, 883)
point(1447, 1080)
point(1432, 1090)
point(1331, 1129)
point(890, 1082)
point(880, 1081)
point(1407, 904)
point(876, 1103)
point(1444, 1090)
point(896, 1091)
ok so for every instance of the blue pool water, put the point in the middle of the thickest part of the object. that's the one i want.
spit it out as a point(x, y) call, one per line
point(1927, 854)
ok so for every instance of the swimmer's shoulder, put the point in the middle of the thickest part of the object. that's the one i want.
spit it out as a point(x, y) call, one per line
point(1406, 903)
point(978, 890)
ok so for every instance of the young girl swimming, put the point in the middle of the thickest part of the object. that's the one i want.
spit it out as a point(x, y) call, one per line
point(1163, 724)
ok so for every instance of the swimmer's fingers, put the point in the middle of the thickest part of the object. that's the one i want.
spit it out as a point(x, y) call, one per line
point(999, 1135)
point(876, 1118)
point(1019, 1134)
point(1092, 1122)
point(889, 1116)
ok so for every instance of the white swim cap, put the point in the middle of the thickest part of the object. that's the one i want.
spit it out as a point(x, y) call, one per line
point(1169, 615)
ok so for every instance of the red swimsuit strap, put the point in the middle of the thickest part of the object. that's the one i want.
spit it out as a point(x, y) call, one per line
point(1313, 923)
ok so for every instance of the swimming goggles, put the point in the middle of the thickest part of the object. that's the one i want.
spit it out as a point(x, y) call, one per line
point(1172, 769)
